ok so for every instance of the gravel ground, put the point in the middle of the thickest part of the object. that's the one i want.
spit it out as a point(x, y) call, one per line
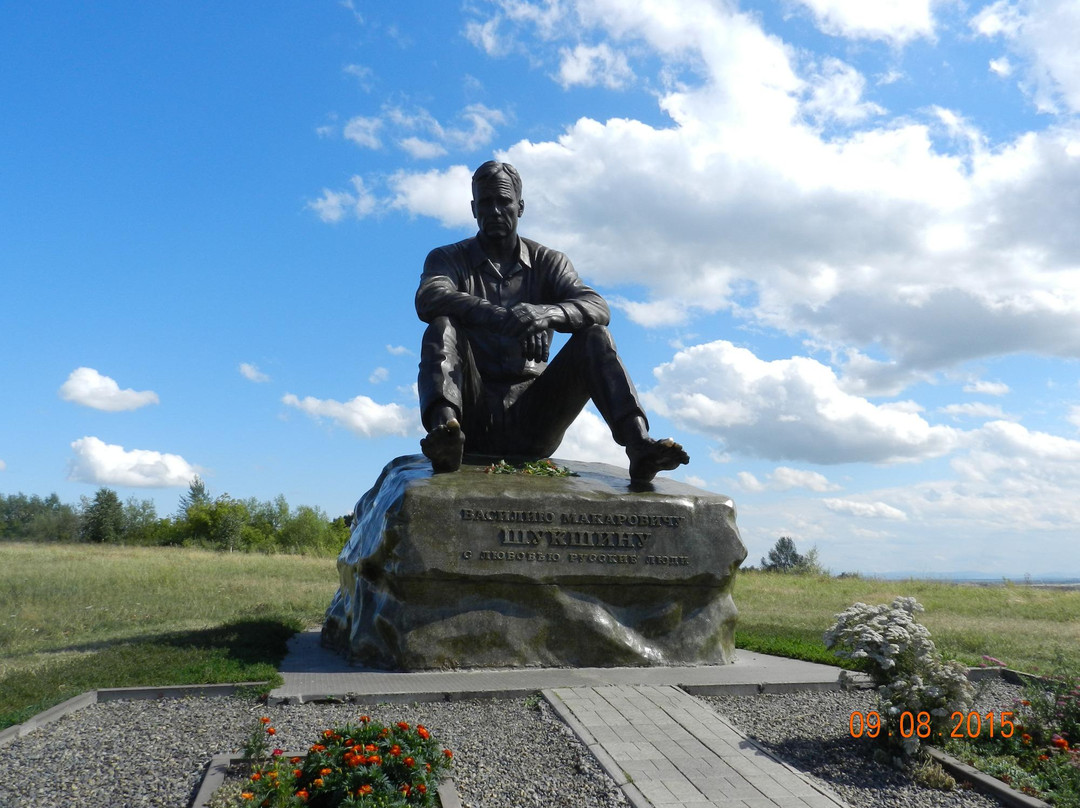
point(153, 753)
point(811, 731)
point(506, 753)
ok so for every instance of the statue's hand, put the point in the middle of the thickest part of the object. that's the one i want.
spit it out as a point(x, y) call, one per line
point(536, 346)
point(526, 319)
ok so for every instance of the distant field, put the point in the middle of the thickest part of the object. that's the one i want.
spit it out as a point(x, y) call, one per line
point(78, 617)
point(1024, 626)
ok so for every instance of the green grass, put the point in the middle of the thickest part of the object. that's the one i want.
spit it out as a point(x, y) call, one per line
point(79, 617)
point(1022, 626)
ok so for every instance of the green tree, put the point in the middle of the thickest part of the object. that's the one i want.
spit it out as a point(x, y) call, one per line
point(102, 518)
point(197, 494)
point(24, 518)
point(140, 521)
point(310, 531)
point(783, 557)
point(218, 523)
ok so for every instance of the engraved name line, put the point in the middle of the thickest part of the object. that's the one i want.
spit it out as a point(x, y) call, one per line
point(549, 517)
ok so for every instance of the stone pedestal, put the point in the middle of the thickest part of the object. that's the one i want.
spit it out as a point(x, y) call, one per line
point(472, 569)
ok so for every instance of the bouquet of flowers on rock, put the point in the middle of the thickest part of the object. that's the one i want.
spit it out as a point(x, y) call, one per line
point(366, 765)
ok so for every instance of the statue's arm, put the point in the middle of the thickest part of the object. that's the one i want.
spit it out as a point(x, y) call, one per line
point(581, 305)
point(441, 294)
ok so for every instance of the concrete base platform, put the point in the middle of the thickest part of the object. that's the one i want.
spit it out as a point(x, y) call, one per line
point(313, 673)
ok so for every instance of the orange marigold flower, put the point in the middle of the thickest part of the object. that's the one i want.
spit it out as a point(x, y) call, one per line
point(421, 788)
point(328, 733)
point(1044, 757)
point(318, 748)
point(410, 762)
point(1026, 703)
point(366, 788)
point(297, 772)
point(265, 720)
point(1025, 738)
point(303, 795)
point(325, 772)
point(448, 753)
point(405, 789)
point(395, 750)
point(257, 776)
point(247, 795)
point(421, 730)
point(317, 782)
point(1060, 742)
point(295, 760)
point(364, 719)
point(375, 759)
point(370, 747)
point(402, 725)
point(272, 775)
point(427, 766)
point(271, 731)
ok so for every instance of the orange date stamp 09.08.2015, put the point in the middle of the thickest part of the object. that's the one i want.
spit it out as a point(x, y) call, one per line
point(919, 725)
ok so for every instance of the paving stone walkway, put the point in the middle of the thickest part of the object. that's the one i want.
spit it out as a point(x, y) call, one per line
point(668, 750)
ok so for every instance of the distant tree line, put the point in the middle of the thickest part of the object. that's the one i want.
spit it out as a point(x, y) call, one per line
point(201, 520)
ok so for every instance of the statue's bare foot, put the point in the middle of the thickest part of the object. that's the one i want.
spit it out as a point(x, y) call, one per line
point(651, 456)
point(443, 446)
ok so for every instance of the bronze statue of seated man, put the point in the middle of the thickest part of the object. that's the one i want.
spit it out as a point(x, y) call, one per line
point(491, 303)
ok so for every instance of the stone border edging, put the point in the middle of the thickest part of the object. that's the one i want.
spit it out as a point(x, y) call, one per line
point(56, 712)
point(984, 782)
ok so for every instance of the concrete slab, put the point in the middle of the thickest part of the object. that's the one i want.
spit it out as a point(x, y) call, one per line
point(313, 673)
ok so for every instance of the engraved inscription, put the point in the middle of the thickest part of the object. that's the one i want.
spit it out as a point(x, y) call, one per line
point(533, 536)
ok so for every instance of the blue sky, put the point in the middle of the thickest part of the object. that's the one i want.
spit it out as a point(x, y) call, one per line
point(838, 236)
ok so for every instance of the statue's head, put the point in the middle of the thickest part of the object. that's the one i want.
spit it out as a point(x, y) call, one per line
point(497, 202)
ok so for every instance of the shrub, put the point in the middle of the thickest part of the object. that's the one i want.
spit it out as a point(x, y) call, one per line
point(912, 680)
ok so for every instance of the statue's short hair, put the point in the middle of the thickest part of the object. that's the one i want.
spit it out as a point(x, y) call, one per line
point(492, 169)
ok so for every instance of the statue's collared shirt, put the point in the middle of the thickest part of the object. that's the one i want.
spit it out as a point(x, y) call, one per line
point(460, 282)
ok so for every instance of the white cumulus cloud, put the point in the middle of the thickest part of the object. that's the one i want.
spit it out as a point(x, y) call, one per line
point(589, 65)
point(91, 389)
point(589, 439)
point(787, 409)
point(362, 416)
point(987, 388)
point(333, 206)
point(364, 131)
point(1042, 35)
point(103, 463)
point(252, 373)
point(974, 409)
point(867, 510)
point(895, 21)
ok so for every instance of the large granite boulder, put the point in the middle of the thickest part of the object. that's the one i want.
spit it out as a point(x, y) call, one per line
point(472, 569)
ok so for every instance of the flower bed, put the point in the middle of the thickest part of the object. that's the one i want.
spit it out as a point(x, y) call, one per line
point(359, 765)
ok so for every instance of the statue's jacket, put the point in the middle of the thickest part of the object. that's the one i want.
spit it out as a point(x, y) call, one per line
point(461, 283)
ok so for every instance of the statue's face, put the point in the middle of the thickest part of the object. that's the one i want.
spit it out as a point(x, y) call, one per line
point(497, 207)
